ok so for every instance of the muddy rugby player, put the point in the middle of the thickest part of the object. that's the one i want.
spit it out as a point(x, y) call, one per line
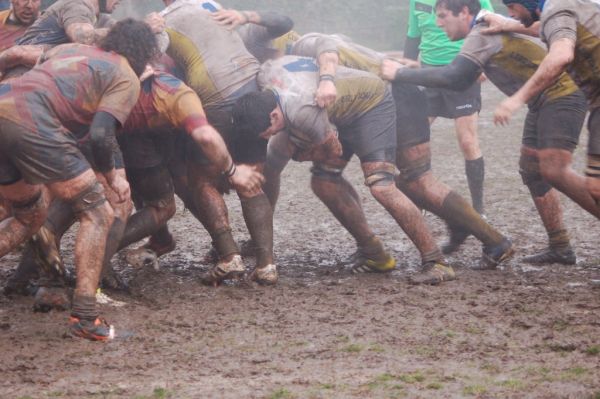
point(553, 123)
point(41, 156)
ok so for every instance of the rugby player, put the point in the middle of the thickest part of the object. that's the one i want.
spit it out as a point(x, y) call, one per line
point(364, 114)
point(41, 148)
point(553, 123)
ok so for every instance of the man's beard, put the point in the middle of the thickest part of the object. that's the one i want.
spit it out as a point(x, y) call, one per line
point(533, 17)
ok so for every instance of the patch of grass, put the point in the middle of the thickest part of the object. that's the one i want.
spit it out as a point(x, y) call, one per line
point(434, 385)
point(161, 393)
point(597, 395)
point(474, 390)
point(281, 393)
point(353, 348)
point(492, 368)
point(511, 384)
point(560, 325)
point(376, 348)
point(573, 373)
point(411, 378)
point(327, 386)
point(56, 394)
point(342, 338)
point(474, 330)
point(593, 350)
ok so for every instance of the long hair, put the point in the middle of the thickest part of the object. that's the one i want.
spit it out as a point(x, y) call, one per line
point(133, 40)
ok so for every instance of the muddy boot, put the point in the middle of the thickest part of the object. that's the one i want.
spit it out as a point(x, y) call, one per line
point(112, 281)
point(265, 275)
point(493, 256)
point(224, 270)
point(433, 273)
point(564, 256)
point(160, 248)
point(373, 258)
point(49, 298)
point(47, 253)
point(142, 257)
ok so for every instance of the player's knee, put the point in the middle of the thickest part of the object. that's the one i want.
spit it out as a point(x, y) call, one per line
point(92, 203)
point(413, 170)
point(529, 169)
point(32, 212)
point(326, 173)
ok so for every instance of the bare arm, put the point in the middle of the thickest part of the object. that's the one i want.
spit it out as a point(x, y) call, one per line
point(84, 33)
point(26, 55)
point(499, 23)
point(326, 92)
point(560, 55)
point(213, 146)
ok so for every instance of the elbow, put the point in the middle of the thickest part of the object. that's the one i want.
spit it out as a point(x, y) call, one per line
point(204, 136)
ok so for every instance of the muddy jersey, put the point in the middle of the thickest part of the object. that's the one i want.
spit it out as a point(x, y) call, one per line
point(215, 61)
point(579, 21)
point(10, 31)
point(65, 91)
point(294, 80)
point(165, 102)
point(350, 54)
point(509, 60)
point(50, 27)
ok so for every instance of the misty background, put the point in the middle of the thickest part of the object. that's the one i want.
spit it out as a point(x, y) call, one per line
point(380, 25)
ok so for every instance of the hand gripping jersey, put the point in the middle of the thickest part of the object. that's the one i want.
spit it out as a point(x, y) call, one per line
point(165, 102)
point(579, 21)
point(65, 91)
point(215, 61)
point(294, 81)
point(510, 59)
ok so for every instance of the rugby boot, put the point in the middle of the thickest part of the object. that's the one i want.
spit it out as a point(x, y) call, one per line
point(224, 270)
point(382, 263)
point(492, 256)
point(564, 256)
point(94, 330)
point(48, 298)
point(457, 237)
point(142, 257)
point(47, 253)
point(266, 275)
point(434, 273)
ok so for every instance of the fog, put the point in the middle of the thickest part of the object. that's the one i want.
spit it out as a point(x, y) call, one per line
point(377, 24)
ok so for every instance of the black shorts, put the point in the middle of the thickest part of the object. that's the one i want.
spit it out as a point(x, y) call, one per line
point(242, 150)
point(152, 186)
point(412, 123)
point(594, 129)
point(38, 159)
point(372, 136)
point(453, 104)
point(556, 123)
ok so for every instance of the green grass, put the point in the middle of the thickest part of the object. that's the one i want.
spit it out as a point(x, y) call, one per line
point(474, 390)
point(593, 350)
point(281, 393)
point(434, 385)
point(411, 378)
point(353, 348)
point(511, 384)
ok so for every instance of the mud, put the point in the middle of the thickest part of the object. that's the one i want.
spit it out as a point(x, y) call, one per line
point(517, 332)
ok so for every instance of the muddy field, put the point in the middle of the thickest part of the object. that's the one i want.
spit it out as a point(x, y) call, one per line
point(323, 333)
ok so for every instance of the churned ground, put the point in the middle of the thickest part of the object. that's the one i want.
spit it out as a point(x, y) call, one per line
point(517, 332)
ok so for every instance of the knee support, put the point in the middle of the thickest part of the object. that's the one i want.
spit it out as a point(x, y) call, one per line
point(326, 172)
point(90, 198)
point(529, 168)
point(383, 177)
point(412, 170)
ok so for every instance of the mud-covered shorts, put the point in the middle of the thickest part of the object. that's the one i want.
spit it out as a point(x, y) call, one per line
point(412, 123)
point(556, 123)
point(453, 104)
point(36, 158)
point(242, 150)
point(372, 136)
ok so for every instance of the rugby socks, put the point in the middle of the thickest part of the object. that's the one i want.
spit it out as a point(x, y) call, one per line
point(112, 244)
point(434, 256)
point(559, 239)
point(84, 307)
point(258, 215)
point(373, 249)
point(457, 212)
point(475, 171)
point(224, 243)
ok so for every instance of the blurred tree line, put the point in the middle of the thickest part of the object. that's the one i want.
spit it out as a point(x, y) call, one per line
point(380, 25)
